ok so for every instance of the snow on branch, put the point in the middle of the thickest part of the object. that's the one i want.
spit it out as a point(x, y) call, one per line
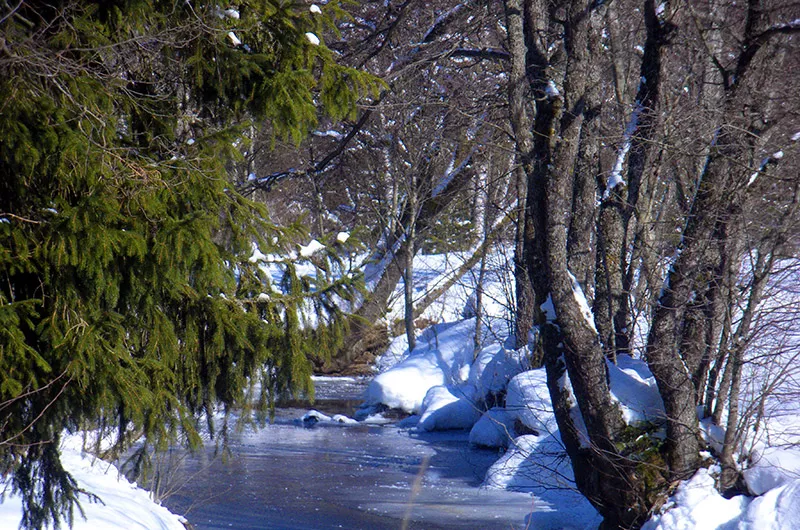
point(448, 178)
point(615, 179)
point(442, 22)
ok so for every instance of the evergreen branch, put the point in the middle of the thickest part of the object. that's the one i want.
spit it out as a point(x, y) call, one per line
point(19, 218)
point(44, 409)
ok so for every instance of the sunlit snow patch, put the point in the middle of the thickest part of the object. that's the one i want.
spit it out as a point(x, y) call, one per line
point(309, 250)
point(635, 389)
point(122, 506)
point(313, 39)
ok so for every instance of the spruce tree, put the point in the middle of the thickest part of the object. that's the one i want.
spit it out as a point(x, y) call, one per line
point(128, 302)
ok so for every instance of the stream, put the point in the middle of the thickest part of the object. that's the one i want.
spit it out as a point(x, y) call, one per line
point(289, 475)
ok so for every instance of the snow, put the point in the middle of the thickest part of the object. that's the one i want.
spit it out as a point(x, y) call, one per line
point(122, 506)
point(493, 393)
point(257, 255)
point(773, 467)
point(312, 417)
point(330, 133)
point(313, 39)
point(536, 464)
point(549, 309)
point(615, 178)
point(495, 366)
point(778, 509)
point(551, 90)
point(444, 408)
point(529, 400)
point(697, 505)
point(494, 429)
point(314, 8)
point(583, 304)
point(430, 382)
point(309, 250)
point(635, 389)
point(437, 360)
point(342, 237)
point(234, 39)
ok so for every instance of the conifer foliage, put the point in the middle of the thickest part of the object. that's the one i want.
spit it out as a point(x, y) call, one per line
point(128, 303)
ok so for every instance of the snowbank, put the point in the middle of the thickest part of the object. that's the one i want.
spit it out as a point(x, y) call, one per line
point(123, 506)
point(442, 357)
point(495, 366)
point(773, 467)
point(495, 428)
point(442, 383)
point(778, 509)
point(529, 400)
point(697, 505)
point(445, 408)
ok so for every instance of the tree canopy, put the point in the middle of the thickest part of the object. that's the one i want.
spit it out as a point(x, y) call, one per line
point(128, 302)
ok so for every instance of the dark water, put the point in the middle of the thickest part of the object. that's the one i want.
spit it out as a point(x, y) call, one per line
point(289, 476)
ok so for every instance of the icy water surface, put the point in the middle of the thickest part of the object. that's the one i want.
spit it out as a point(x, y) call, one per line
point(289, 476)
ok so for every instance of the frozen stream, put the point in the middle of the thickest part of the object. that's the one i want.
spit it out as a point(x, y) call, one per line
point(289, 476)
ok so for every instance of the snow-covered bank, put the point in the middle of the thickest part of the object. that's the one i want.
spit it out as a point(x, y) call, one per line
point(121, 506)
point(445, 384)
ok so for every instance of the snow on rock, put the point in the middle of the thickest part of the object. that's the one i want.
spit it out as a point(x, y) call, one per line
point(697, 505)
point(404, 386)
point(771, 468)
point(312, 417)
point(532, 463)
point(494, 429)
point(528, 399)
point(123, 506)
point(537, 464)
point(635, 389)
point(445, 409)
point(495, 367)
point(309, 250)
point(313, 39)
point(438, 359)
point(341, 418)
